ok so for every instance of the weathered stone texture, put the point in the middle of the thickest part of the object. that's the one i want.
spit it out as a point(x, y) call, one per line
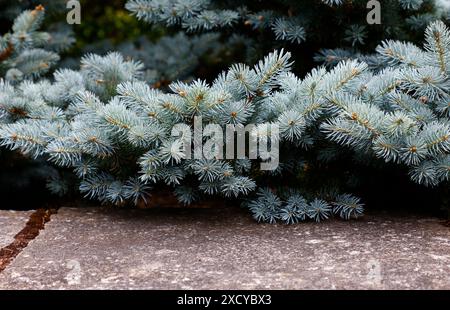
point(99, 248)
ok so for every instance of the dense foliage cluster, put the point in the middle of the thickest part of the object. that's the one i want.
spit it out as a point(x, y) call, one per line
point(111, 120)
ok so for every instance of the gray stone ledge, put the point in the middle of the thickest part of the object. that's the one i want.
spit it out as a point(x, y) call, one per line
point(11, 222)
point(100, 248)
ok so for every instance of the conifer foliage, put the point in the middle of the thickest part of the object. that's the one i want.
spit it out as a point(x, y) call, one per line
point(296, 22)
point(21, 52)
point(113, 129)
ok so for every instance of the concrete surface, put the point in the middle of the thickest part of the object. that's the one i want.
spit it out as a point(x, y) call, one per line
point(11, 222)
point(99, 248)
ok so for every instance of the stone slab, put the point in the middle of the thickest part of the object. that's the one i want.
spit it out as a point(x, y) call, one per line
point(101, 248)
point(11, 222)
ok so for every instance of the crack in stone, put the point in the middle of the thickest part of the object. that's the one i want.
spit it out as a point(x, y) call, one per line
point(34, 225)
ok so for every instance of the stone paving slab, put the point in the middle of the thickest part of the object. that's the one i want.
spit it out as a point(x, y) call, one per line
point(11, 222)
point(100, 248)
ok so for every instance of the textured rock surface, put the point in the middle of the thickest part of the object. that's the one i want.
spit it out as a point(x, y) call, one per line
point(11, 222)
point(219, 249)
